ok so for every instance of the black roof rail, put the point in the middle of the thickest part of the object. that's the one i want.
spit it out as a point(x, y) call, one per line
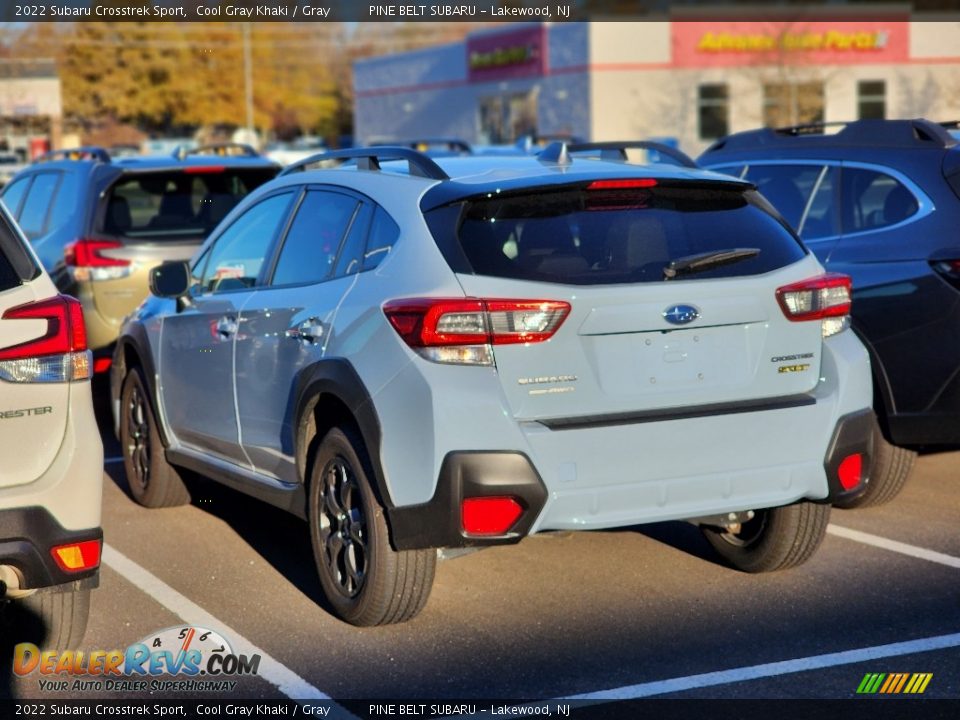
point(617, 150)
point(87, 152)
point(370, 158)
point(950, 124)
point(222, 149)
point(918, 132)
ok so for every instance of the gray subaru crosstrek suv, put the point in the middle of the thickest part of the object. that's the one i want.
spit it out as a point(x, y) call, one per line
point(413, 354)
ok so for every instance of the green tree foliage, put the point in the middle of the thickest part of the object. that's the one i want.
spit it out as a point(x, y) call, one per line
point(170, 75)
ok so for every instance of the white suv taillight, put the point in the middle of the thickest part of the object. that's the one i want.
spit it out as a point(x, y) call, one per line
point(59, 355)
point(825, 298)
point(86, 260)
point(462, 330)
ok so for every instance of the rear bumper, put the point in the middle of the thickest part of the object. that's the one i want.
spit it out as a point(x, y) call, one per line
point(853, 435)
point(468, 475)
point(929, 428)
point(29, 533)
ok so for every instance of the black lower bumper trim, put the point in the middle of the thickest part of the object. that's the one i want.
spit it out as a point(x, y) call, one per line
point(26, 536)
point(853, 434)
point(436, 524)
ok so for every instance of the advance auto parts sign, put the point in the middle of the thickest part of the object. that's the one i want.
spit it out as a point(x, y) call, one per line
point(719, 44)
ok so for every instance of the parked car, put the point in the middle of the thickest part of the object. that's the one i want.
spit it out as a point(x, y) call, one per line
point(418, 353)
point(880, 201)
point(432, 146)
point(286, 153)
point(99, 223)
point(10, 165)
point(52, 459)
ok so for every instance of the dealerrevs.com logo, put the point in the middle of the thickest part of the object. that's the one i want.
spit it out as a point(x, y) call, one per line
point(203, 656)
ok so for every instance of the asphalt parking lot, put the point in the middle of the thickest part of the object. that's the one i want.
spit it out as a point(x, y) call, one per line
point(635, 613)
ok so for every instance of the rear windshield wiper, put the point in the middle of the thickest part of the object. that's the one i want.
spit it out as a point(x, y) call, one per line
point(707, 261)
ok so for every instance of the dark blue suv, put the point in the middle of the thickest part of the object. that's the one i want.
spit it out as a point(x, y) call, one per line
point(878, 200)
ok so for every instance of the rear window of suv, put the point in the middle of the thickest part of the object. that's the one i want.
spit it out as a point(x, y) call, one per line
point(592, 237)
point(174, 204)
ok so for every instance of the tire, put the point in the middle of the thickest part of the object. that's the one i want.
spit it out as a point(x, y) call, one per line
point(152, 480)
point(891, 468)
point(50, 620)
point(364, 579)
point(775, 539)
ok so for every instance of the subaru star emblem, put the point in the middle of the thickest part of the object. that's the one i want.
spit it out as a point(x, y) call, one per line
point(681, 314)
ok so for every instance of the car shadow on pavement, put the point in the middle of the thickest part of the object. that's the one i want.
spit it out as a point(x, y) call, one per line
point(683, 536)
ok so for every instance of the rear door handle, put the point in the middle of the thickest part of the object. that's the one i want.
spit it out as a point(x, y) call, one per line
point(310, 331)
point(227, 326)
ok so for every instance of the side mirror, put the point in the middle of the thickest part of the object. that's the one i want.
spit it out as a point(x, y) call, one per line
point(170, 280)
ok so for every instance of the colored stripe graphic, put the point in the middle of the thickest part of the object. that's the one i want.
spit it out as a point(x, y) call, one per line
point(894, 683)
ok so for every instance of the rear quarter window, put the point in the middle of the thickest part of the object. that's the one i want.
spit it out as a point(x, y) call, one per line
point(586, 237)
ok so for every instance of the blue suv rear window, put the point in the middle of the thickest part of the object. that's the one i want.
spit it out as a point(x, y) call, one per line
point(179, 203)
point(591, 237)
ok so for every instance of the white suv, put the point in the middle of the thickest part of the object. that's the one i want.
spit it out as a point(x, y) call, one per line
point(51, 457)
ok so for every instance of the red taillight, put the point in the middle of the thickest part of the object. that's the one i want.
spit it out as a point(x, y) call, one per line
point(821, 297)
point(76, 557)
point(438, 322)
point(86, 253)
point(850, 471)
point(489, 515)
point(622, 184)
point(65, 329)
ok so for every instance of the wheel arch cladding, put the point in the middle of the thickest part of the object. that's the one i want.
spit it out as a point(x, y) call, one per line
point(330, 393)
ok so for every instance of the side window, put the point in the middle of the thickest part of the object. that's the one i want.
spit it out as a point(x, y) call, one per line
point(64, 204)
point(13, 194)
point(351, 254)
point(310, 248)
point(238, 254)
point(33, 217)
point(821, 218)
point(787, 187)
point(872, 199)
point(383, 234)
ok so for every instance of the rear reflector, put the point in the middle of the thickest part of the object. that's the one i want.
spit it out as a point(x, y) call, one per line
point(76, 557)
point(850, 471)
point(817, 298)
point(58, 355)
point(453, 322)
point(102, 364)
point(490, 515)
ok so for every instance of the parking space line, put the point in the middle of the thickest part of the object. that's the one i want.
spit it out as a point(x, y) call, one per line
point(894, 546)
point(271, 669)
point(774, 669)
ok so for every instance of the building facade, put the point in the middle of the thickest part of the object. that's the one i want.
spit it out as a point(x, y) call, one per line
point(687, 81)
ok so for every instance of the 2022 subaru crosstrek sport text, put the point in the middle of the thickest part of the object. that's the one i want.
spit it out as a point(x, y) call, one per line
point(51, 458)
point(414, 354)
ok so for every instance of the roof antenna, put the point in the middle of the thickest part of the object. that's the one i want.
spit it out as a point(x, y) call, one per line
point(555, 154)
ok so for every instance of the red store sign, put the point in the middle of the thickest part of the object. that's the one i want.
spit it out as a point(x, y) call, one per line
point(722, 44)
